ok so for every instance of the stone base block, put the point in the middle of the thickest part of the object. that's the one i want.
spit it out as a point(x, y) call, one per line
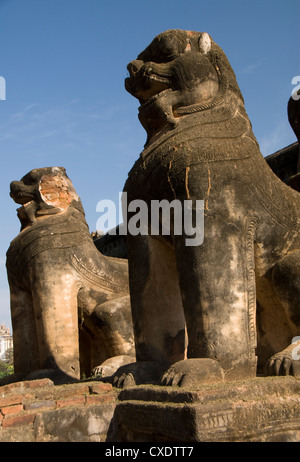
point(258, 410)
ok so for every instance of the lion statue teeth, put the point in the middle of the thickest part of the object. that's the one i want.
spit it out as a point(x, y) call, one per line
point(70, 304)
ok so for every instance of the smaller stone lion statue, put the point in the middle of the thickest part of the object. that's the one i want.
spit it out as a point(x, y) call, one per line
point(70, 305)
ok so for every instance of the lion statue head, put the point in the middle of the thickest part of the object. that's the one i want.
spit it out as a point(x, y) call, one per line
point(179, 73)
point(42, 192)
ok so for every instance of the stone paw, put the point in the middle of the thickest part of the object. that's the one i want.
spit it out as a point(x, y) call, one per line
point(193, 372)
point(286, 362)
point(108, 368)
point(125, 380)
point(139, 373)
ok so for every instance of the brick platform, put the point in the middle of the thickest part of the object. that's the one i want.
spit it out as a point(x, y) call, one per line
point(38, 411)
point(264, 409)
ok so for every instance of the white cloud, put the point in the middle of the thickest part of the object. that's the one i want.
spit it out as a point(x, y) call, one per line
point(276, 139)
point(74, 124)
point(252, 67)
point(20, 115)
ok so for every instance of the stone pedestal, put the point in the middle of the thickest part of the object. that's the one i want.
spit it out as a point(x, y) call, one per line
point(258, 410)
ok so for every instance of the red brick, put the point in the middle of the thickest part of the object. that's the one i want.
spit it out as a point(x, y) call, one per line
point(9, 400)
point(39, 383)
point(28, 397)
point(67, 391)
point(100, 387)
point(11, 388)
point(40, 405)
point(99, 399)
point(14, 409)
point(70, 401)
point(16, 420)
point(19, 387)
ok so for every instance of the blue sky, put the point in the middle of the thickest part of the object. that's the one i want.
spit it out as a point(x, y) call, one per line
point(64, 63)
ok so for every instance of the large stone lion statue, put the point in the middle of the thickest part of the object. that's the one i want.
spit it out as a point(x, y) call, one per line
point(70, 304)
point(223, 309)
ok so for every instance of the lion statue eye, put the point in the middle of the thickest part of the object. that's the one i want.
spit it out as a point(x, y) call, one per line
point(30, 179)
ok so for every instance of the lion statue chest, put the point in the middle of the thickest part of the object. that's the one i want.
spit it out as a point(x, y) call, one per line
point(199, 144)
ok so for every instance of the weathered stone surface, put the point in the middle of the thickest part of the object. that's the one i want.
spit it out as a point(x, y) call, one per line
point(16, 420)
point(74, 424)
point(100, 388)
point(69, 303)
point(13, 409)
point(109, 367)
point(190, 373)
point(262, 409)
point(79, 412)
point(237, 294)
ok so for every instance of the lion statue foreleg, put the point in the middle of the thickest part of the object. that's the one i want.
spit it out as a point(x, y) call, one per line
point(285, 276)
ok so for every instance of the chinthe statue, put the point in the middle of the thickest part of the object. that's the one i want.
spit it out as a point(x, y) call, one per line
point(70, 304)
point(229, 307)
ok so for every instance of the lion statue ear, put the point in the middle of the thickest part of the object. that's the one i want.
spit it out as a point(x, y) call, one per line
point(56, 189)
point(204, 43)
